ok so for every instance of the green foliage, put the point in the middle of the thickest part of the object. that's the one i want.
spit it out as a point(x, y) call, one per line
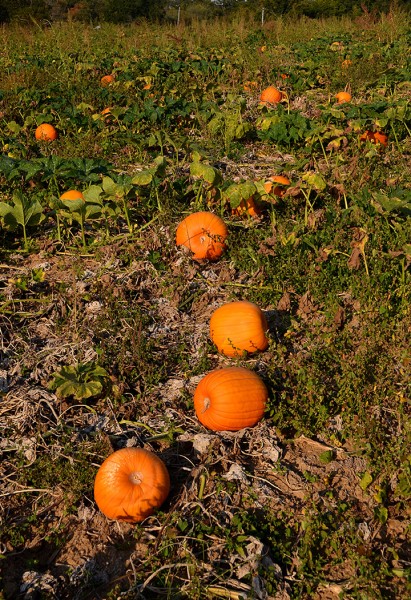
point(82, 381)
point(23, 211)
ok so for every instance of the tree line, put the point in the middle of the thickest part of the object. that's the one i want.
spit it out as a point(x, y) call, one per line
point(127, 11)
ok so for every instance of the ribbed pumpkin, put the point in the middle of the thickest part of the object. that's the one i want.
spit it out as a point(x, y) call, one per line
point(230, 399)
point(130, 484)
point(238, 326)
point(204, 233)
point(270, 95)
point(343, 97)
point(46, 133)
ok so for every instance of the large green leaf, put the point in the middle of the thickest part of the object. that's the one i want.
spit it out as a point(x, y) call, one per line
point(206, 172)
point(237, 192)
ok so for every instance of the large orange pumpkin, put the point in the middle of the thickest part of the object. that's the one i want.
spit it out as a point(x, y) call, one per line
point(230, 399)
point(46, 133)
point(238, 326)
point(204, 233)
point(130, 484)
point(271, 95)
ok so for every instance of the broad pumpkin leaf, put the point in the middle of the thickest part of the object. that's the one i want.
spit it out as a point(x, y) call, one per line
point(237, 192)
point(315, 181)
point(93, 211)
point(81, 381)
point(13, 126)
point(206, 172)
point(74, 206)
point(144, 177)
point(92, 194)
point(80, 391)
point(23, 210)
point(398, 201)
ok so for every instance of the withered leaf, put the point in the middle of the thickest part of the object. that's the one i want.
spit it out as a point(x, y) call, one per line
point(285, 302)
point(354, 262)
point(306, 305)
point(339, 318)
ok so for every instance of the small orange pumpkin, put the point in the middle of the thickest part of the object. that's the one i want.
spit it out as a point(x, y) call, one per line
point(72, 195)
point(46, 133)
point(270, 95)
point(343, 97)
point(277, 190)
point(130, 484)
point(380, 138)
point(204, 233)
point(238, 327)
point(230, 399)
point(376, 137)
point(106, 80)
point(248, 206)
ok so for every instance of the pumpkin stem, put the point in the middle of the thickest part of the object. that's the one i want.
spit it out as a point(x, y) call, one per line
point(136, 478)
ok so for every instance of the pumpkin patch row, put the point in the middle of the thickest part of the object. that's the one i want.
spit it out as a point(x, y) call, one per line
point(133, 482)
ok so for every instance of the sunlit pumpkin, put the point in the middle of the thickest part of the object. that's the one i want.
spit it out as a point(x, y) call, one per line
point(72, 195)
point(238, 327)
point(204, 234)
point(342, 97)
point(276, 185)
point(270, 95)
point(46, 133)
point(130, 484)
point(249, 207)
point(106, 80)
point(230, 399)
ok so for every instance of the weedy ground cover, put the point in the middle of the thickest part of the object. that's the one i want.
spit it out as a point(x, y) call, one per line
point(104, 321)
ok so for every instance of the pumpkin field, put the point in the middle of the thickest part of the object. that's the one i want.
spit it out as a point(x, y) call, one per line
point(205, 310)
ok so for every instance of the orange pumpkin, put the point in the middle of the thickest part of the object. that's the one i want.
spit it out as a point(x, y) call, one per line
point(248, 206)
point(271, 95)
point(130, 484)
point(238, 327)
point(106, 80)
point(277, 190)
point(46, 133)
point(380, 138)
point(72, 195)
point(343, 97)
point(204, 233)
point(230, 399)
point(376, 137)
